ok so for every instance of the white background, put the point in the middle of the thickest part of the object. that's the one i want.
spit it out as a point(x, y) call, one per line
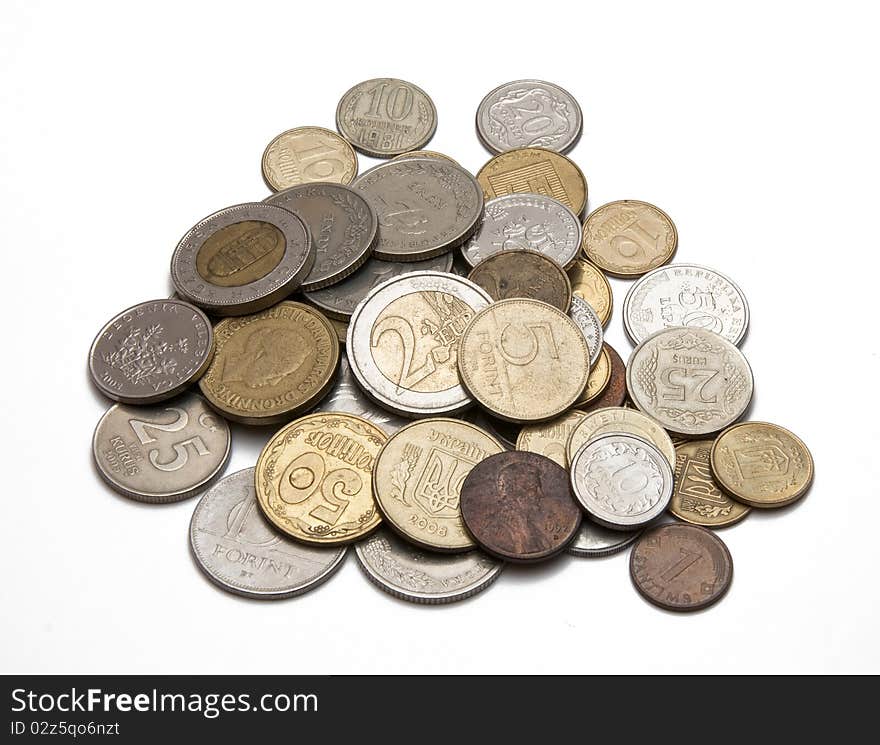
point(754, 127)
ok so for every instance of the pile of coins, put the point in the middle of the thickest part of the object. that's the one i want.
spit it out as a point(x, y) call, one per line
point(476, 416)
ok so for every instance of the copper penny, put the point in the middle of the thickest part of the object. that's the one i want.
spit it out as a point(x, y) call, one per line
point(615, 392)
point(526, 274)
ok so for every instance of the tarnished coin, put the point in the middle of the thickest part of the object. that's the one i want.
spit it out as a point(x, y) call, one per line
point(347, 397)
point(272, 365)
point(529, 113)
point(681, 567)
point(589, 283)
point(614, 391)
point(685, 295)
point(424, 154)
point(409, 573)
point(314, 478)
point(535, 170)
point(342, 226)
point(418, 476)
point(593, 540)
point(628, 238)
point(622, 481)
point(600, 376)
point(762, 464)
point(240, 551)
point(385, 117)
point(341, 329)
point(526, 274)
point(696, 498)
point(425, 207)
point(618, 419)
point(161, 453)
point(523, 360)
point(242, 259)
point(692, 381)
point(151, 351)
point(519, 506)
point(549, 438)
point(306, 154)
point(403, 342)
point(591, 327)
point(526, 221)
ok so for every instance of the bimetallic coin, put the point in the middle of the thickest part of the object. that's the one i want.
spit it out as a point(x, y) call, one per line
point(685, 295)
point(628, 238)
point(549, 438)
point(424, 154)
point(345, 396)
point(618, 419)
point(151, 351)
point(161, 453)
point(591, 327)
point(420, 576)
point(525, 274)
point(593, 540)
point(417, 479)
point(306, 154)
point(696, 498)
point(239, 551)
point(614, 392)
point(762, 464)
point(693, 382)
point(314, 478)
point(529, 113)
point(242, 259)
point(589, 283)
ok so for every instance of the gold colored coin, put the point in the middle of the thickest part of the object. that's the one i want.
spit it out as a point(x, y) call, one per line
point(628, 238)
point(598, 381)
point(761, 464)
point(523, 360)
point(341, 329)
point(589, 283)
point(418, 476)
point(424, 154)
point(306, 154)
point(696, 498)
point(534, 170)
point(525, 274)
point(314, 478)
point(272, 365)
point(549, 439)
point(619, 419)
point(262, 243)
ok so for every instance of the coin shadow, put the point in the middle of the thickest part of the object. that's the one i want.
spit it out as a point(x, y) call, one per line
point(685, 611)
point(523, 573)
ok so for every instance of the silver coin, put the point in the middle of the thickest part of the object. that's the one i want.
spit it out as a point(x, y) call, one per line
point(425, 207)
point(526, 221)
point(594, 540)
point(242, 259)
point(161, 453)
point(340, 300)
point(588, 322)
point(622, 481)
point(402, 342)
point(237, 548)
point(693, 382)
point(342, 226)
point(685, 295)
point(384, 117)
point(151, 351)
point(420, 576)
point(529, 113)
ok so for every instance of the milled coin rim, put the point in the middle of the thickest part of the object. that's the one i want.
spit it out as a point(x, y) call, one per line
point(324, 130)
point(588, 309)
point(610, 550)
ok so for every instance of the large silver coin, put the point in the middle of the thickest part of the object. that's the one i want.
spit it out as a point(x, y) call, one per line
point(425, 207)
point(161, 453)
point(526, 221)
point(403, 342)
point(622, 481)
point(588, 322)
point(237, 548)
point(685, 295)
point(242, 259)
point(420, 576)
point(529, 113)
point(151, 351)
point(593, 540)
point(342, 226)
point(693, 382)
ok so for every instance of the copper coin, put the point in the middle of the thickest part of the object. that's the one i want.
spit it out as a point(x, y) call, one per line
point(523, 273)
point(681, 567)
point(519, 506)
point(615, 392)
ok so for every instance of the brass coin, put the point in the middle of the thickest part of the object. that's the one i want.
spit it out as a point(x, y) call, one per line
point(599, 378)
point(618, 419)
point(270, 366)
point(696, 498)
point(615, 392)
point(418, 476)
point(305, 154)
point(535, 170)
point(314, 478)
point(629, 238)
point(589, 283)
point(761, 464)
point(424, 154)
point(523, 360)
point(525, 274)
point(549, 438)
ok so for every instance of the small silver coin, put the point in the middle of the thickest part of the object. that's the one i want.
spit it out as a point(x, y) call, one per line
point(588, 322)
point(685, 295)
point(342, 226)
point(529, 113)
point(593, 540)
point(161, 453)
point(237, 548)
point(533, 221)
point(242, 259)
point(409, 573)
point(151, 351)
